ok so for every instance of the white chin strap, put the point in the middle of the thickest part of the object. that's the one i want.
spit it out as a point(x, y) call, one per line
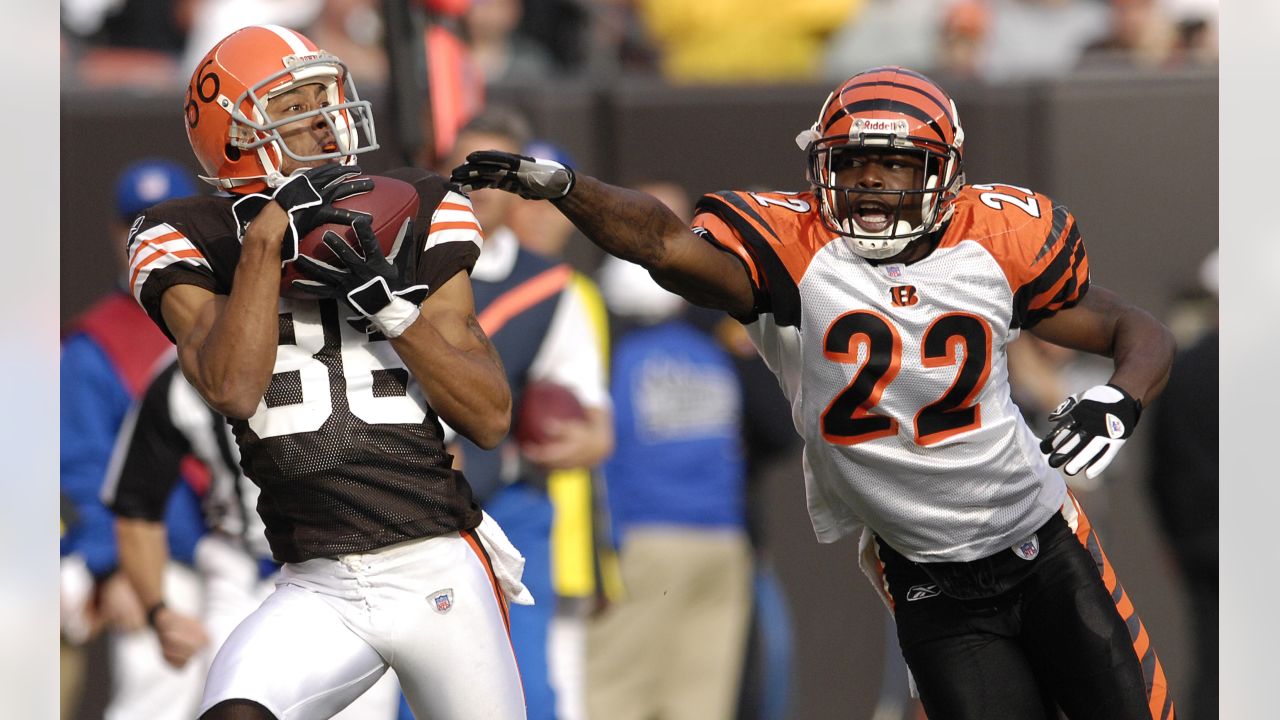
point(870, 245)
point(345, 133)
point(274, 178)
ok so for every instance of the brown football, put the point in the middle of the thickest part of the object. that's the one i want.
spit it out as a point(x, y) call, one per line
point(390, 203)
point(543, 401)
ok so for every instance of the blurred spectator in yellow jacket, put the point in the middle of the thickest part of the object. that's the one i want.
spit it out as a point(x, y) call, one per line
point(743, 40)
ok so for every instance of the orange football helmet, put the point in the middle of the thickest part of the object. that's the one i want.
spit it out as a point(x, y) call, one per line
point(891, 108)
point(236, 142)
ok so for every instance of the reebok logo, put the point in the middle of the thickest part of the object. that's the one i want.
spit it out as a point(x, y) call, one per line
point(133, 230)
point(921, 592)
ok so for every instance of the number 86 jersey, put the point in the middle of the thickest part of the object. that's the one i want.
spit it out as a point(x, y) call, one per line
point(348, 454)
point(897, 374)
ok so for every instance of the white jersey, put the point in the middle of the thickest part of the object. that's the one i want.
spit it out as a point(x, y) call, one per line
point(897, 374)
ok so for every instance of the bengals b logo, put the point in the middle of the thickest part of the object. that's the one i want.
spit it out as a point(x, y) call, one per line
point(903, 295)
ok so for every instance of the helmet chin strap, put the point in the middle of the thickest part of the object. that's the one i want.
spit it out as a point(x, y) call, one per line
point(866, 245)
point(273, 178)
point(928, 200)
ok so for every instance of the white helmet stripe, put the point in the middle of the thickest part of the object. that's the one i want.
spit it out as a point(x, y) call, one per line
point(290, 37)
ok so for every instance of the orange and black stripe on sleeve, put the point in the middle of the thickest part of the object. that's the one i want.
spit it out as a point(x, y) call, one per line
point(775, 290)
point(1061, 278)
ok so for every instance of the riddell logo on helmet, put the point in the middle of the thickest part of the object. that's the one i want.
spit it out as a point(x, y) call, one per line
point(291, 60)
point(896, 126)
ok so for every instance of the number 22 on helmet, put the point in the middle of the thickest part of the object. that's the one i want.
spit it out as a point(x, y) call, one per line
point(900, 112)
point(237, 143)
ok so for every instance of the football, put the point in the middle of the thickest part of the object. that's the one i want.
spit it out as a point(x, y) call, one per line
point(543, 401)
point(389, 203)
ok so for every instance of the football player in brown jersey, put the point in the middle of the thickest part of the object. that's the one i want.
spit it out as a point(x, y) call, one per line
point(883, 297)
point(336, 403)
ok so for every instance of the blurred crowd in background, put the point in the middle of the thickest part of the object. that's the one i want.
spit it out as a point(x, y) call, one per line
point(154, 43)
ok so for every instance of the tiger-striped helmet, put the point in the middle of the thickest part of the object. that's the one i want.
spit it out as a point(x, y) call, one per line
point(892, 108)
point(236, 142)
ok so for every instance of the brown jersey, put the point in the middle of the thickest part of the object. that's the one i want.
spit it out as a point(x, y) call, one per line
point(347, 452)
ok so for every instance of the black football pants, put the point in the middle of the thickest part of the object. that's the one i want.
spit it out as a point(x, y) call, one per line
point(1049, 635)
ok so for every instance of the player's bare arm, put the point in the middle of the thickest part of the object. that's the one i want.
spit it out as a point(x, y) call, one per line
point(638, 227)
point(456, 364)
point(629, 224)
point(1103, 323)
point(227, 344)
point(144, 553)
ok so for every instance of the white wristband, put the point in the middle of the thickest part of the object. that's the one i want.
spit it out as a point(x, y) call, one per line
point(395, 318)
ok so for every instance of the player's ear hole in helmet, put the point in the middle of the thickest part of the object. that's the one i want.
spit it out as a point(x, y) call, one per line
point(237, 143)
point(894, 111)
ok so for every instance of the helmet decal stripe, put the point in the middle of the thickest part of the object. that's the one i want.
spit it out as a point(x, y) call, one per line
point(890, 106)
point(903, 71)
point(290, 37)
point(943, 104)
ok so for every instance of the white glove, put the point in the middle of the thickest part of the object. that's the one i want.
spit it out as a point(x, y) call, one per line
point(1091, 428)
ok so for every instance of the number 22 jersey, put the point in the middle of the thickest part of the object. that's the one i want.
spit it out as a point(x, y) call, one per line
point(345, 449)
point(897, 374)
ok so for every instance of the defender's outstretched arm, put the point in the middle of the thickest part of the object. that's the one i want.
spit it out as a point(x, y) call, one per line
point(629, 224)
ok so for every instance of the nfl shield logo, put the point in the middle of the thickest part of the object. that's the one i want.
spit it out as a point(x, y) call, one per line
point(442, 601)
point(1115, 428)
point(1028, 549)
point(894, 270)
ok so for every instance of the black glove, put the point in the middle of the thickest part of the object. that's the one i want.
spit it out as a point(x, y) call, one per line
point(377, 287)
point(1091, 428)
point(308, 197)
point(530, 178)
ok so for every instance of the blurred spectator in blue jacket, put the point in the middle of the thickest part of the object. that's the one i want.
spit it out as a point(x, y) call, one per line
point(673, 647)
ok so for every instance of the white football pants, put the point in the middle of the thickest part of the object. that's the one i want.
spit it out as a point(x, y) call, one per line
point(234, 588)
point(432, 609)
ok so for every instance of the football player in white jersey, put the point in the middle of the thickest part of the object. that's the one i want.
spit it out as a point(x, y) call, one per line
point(884, 297)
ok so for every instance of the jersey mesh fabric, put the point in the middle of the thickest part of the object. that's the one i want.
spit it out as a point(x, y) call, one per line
point(938, 496)
point(333, 479)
